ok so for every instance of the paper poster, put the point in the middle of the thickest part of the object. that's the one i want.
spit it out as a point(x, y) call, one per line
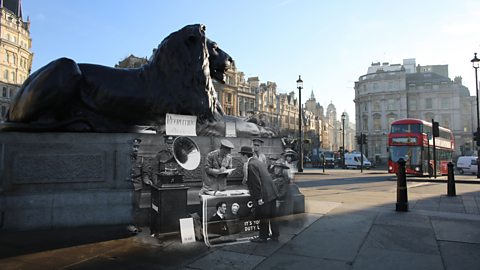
point(230, 129)
point(238, 223)
point(187, 231)
point(180, 125)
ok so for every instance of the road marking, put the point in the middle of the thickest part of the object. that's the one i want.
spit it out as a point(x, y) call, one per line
point(418, 185)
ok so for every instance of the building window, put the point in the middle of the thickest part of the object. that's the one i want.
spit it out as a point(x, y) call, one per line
point(428, 103)
point(391, 104)
point(429, 116)
point(445, 120)
point(377, 122)
point(377, 148)
point(412, 104)
point(5, 75)
point(376, 106)
point(445, 103)
point(11, 93)
point(390, 119)
point(4, 92)
point(365, 123)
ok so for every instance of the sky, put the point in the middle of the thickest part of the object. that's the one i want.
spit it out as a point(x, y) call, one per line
point(329, 43)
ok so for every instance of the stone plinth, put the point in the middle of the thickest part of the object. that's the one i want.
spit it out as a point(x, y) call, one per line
point(55, 180)
point(52, 180)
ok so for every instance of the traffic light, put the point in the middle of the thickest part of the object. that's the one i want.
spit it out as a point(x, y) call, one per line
point(359, 139)
point(364, 139)
point(476, 137)
point(435, 129)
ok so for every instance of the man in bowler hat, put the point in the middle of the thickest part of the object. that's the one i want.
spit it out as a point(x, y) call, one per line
point(263, 194)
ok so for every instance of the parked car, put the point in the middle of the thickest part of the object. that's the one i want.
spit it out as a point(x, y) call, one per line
point(467, 164)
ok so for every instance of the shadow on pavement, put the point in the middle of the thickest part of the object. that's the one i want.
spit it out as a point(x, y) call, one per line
point(15, 243)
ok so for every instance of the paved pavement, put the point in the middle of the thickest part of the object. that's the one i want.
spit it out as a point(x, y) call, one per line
point(341, 229)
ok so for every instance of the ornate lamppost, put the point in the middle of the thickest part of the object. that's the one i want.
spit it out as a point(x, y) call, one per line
point(300, 142)
point(343, 139)
point(475, 62)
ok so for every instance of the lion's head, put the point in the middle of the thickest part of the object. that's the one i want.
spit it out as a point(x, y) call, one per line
point(219, 60)
point(188, 62)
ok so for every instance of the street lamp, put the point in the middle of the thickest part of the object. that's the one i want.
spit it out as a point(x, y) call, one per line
point(343, 139)
point(300, 150)
point(475, 62)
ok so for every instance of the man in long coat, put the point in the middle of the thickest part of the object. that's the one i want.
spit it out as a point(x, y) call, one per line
point(263, 193)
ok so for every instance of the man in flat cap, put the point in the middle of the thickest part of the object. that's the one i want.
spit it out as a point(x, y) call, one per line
point(216, 163)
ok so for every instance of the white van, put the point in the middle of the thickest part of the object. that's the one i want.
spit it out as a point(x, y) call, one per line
point(352, 160)
point(467, 164)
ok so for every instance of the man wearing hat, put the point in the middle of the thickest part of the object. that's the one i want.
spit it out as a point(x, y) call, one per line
point(263, 194)
point(288, 156)
point(281, 181)
point(216, 163)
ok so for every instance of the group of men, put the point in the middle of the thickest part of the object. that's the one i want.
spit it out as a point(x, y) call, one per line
point(267, 182)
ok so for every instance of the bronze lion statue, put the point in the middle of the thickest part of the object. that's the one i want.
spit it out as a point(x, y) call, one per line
point(68, 96)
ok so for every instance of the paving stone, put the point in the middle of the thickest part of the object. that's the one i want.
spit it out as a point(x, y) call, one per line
point(460, 256)
point(337, 245)
point(287, 261)
point(403, 219)
point(221, 259)
point(381, 259)
point(320, 207)
point(456, 230)
point(345, 223)
point(402, 239)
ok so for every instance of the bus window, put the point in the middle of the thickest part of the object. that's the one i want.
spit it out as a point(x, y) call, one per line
point(407, 128)
point(410, 154)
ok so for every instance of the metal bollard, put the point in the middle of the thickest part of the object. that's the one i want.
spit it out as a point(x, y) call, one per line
point(451, 181)
point(402, 198)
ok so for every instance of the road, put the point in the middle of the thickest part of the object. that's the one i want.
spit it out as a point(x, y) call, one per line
point(374, 188)
point(346, 179)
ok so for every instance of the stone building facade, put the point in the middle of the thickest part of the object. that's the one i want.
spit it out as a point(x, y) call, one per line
point(391, 92)
point(15, 52)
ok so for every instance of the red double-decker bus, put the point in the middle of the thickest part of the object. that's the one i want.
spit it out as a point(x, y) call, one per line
point(412, 140)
